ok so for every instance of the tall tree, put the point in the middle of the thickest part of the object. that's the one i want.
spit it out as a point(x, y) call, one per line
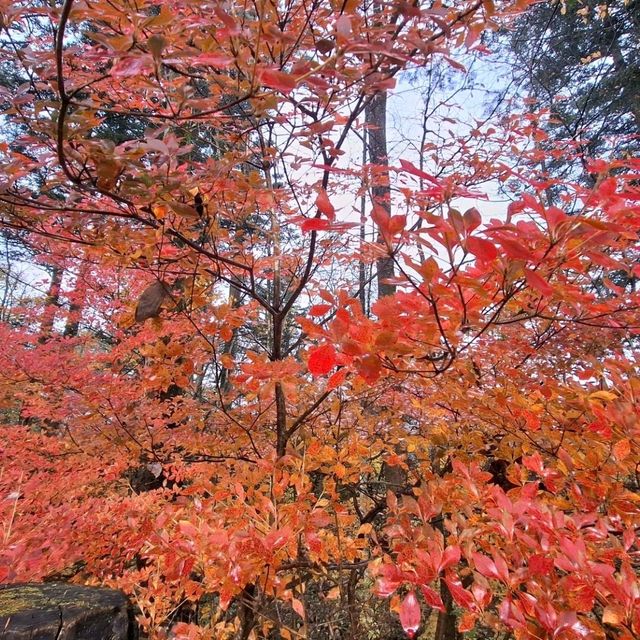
point(376, 120)
point(581, 63)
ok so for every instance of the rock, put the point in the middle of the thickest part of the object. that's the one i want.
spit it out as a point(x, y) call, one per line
point(59, 611)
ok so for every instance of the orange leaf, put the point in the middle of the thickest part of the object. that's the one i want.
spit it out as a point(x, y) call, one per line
point(298, 607)
point(613, 614)
point(622, 449)
point(467, 622)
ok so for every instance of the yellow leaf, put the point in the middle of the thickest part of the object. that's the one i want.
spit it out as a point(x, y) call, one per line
point(603, 395)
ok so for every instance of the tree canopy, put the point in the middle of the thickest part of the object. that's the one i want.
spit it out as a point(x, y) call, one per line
point(581, 63)
point(199, 407)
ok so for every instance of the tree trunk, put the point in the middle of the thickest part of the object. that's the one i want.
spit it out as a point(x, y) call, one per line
point(446, 625)
point(76, 304)
point(362, 275)
point(376, 121)
point(231, 345)
point(52, 302)
point(247, 613)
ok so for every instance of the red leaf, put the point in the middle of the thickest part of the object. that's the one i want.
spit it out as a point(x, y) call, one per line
point(388, 225)
point(319, 309)
point(279, 80)
point(459, 594)
point(515, 250)
point(410, 614)
point(369, 368)
point(482, 249)
point(390, 579)
point(277, 538)
point(510, 612)
point(450, 556)
point(538, 283)
point(397, 224)
point(579, 593)
point(326, 296)
point(298, 607)
point(232, 27)
point(556, 216)
point(186, 528)
point(432, 598)
point(530, 201)
point(409, 167)
point(501, 567)
point(315, 224)
point(336, 379)
point(343, 26)
point(534, 463)
point(319, 518)
point(132, 66)
point(381, 217)
point(216, 60)
point(472, 219)
point(485, 565)
point(324, 205)
point(322, 360)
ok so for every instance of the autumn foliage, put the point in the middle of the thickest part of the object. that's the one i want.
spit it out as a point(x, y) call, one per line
point(203, 414)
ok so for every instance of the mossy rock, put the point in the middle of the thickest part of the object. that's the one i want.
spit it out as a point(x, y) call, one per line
point(60, 611)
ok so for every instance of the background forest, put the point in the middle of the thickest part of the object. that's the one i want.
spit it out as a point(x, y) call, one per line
point(319, 318)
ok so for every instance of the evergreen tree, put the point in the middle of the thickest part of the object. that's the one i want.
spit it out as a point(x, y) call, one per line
point(580, 59)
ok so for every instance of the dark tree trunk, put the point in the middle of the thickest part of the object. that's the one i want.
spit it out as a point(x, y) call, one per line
point(52, 302)
point(76, 304)
point(446, 625)
point(376, 121)
point(247, 612)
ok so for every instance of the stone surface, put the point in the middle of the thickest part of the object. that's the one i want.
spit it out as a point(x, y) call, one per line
point(60, 611)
